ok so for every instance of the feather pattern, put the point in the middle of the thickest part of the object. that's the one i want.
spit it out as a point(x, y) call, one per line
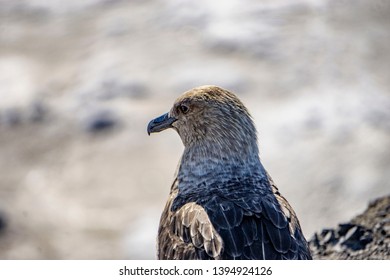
point(219, 224)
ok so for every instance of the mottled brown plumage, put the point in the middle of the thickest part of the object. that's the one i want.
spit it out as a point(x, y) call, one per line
point(222, 204)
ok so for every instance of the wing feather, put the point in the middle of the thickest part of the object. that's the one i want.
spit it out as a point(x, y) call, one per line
point(187, 233)
point(229, 222)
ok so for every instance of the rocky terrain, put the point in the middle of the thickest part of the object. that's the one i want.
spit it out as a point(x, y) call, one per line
point(365, 237)
point(79, 81)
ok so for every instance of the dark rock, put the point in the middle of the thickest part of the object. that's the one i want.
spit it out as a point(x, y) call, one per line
point(101, 121)
point(364, 237)
point(11, 117)
point(101, 124)
point(329, 236)
point(38, 111)
point(344, 228)
point(3, 223)
point(357, 238)
point(315, 240)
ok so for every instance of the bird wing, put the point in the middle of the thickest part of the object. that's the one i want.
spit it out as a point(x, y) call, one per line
point(303, 250)
point(237, 220)
point(187, 233)
point(256, 222)
point(247, 234)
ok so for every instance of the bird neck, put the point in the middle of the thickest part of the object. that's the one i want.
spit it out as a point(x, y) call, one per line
point(212, 162)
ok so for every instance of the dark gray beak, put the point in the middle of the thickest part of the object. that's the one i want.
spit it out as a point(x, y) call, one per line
point(161, 123)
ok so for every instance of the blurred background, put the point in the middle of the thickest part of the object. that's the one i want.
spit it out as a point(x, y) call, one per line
point(80, 80)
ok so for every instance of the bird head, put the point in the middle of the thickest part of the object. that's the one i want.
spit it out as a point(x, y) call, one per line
point(209, 115)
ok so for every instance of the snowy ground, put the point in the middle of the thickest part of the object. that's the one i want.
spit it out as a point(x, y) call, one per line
point(80, 178)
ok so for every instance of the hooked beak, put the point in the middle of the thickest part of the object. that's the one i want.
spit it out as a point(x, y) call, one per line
point(161, 123)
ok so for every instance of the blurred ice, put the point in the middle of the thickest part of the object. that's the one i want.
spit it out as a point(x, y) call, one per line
point(137, 243)
point(314, 74)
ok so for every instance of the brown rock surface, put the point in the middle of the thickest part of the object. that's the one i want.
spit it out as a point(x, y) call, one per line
point(365, 237)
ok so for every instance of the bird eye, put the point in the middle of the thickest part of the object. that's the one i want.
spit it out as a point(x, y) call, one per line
point(184, 108)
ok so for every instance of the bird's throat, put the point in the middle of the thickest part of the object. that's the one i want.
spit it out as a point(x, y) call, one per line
point(213, 164)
